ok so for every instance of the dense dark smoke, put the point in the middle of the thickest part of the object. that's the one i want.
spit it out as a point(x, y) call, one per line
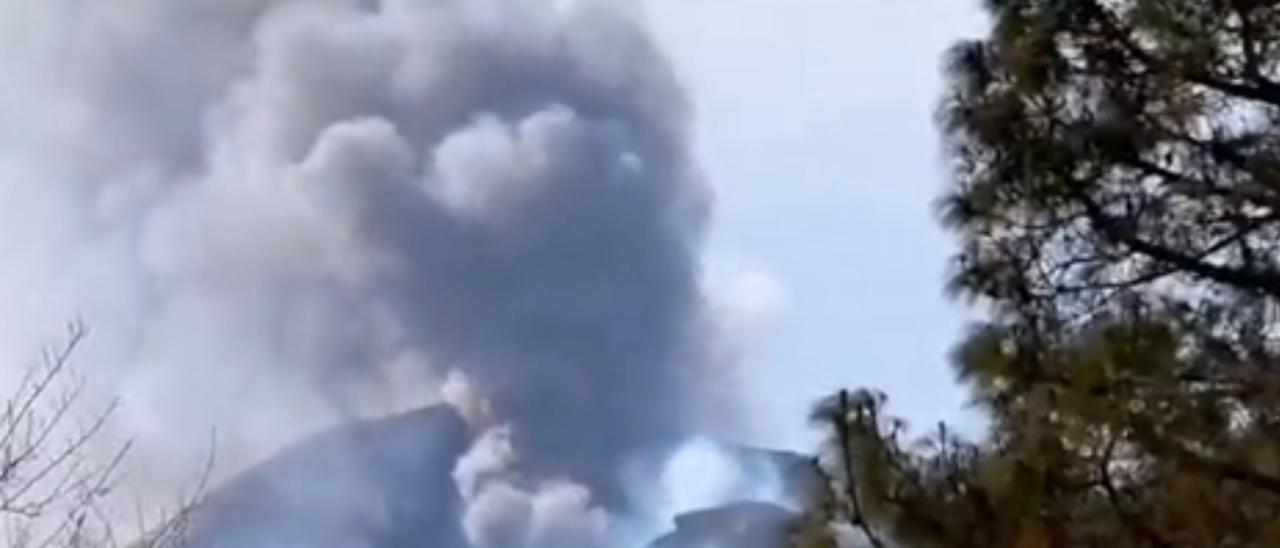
point(530, 203)
point(290, 210)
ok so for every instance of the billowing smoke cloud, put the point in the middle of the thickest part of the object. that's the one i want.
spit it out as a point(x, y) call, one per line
point(276, 214)
point(506, 510)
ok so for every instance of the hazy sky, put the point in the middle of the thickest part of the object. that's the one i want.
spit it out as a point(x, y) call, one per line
point(815, 128)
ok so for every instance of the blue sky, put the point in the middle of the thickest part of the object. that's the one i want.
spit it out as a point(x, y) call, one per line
point(815, 128)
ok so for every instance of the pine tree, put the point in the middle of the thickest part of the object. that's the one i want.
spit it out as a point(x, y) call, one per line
point(1117, 197)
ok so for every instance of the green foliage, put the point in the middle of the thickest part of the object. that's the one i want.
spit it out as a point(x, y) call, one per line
point(1117, 198)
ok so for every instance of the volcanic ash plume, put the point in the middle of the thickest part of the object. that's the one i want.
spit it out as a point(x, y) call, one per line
point(276, 214)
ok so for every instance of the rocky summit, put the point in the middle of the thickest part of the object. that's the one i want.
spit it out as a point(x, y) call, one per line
point(388, 483)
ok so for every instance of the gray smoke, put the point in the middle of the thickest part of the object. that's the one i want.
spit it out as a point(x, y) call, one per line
point(499, 513)
point(277, 214)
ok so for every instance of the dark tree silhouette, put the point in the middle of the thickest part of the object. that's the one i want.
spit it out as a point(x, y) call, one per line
point(1116, 196)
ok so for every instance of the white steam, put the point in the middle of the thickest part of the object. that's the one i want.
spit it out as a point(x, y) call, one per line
point(503, 509)
point(702, 475)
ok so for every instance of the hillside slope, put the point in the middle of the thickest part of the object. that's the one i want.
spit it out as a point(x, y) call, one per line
point(388, 483)
point(376, 484)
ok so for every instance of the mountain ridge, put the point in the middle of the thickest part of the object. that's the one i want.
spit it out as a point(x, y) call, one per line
point(388, 483)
